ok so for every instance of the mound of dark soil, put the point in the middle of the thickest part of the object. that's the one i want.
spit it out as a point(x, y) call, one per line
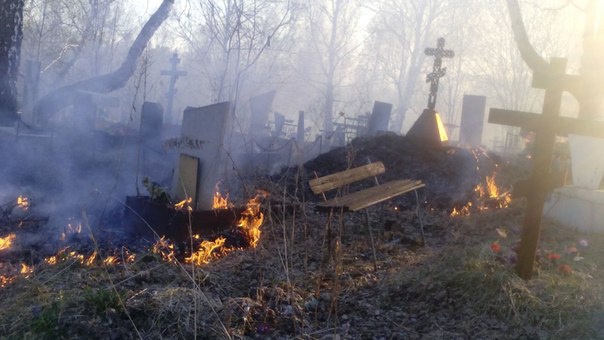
point(450, 173)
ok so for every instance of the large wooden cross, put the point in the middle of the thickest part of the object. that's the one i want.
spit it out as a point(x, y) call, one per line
point(546, 126)
point(173, 73)
point(437, 72)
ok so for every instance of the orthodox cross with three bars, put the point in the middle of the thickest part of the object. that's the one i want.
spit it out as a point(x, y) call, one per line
point(174, 73)
point(546, 126)
point(437, 72)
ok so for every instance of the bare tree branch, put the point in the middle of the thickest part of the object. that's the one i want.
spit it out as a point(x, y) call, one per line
point(63, 97)
point(527, 51)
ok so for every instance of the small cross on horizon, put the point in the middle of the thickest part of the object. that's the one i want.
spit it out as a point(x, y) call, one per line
point(437, 72)
point(173, 73)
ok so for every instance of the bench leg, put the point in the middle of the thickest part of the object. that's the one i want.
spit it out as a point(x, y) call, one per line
point(371, 239)
point(327, 239)
point(419, 217)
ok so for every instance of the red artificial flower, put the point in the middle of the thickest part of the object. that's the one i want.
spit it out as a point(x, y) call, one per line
point(495, 247)
point(565, 269)
point(553, 256)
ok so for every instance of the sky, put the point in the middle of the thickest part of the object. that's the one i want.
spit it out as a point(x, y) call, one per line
point(145, 7)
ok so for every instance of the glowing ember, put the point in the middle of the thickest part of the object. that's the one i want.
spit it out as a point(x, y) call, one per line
point(6, 280)
point(165, 248)
point(90, 260)
point(184, 204)
point(110, 260)
point(7, 242)
point(26, 270)
point(23, 202)
point(206, 251)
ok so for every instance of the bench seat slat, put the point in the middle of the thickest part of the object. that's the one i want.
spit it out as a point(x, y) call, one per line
point(362, 199)
point(339, 179)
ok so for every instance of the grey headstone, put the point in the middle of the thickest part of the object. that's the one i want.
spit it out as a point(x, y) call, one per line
point(152, 121)
point(472, 120)
point(379, 119)
point(205, 135)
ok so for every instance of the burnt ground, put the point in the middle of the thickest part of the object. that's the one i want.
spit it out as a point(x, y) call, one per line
point(459, 285)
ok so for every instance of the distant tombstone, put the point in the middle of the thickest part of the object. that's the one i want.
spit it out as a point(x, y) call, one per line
point(151, 126)
point(339, 137)
point(379, 119)
point(202, 163)
point(152, 121)
point(472, 119)
point(300, 129)
point(260, 107)
point(279, 124)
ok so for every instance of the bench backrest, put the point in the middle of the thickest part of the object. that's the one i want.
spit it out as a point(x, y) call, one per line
point(339, 179)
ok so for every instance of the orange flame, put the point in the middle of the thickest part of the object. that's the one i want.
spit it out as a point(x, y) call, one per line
point(221, 202)
point(205, 252)
point(251, 220)
point(186, 203)
point(23, 202)
point(6, 280)
point(164, 248)
point(7, 242)
point(489, 192)
point(26, 270)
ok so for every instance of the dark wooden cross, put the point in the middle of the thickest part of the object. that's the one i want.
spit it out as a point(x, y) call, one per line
point(437, 72)
point(546, 126)
point(173, 73)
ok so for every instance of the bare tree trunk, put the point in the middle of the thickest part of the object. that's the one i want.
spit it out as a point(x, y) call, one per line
point(63, 97)
point(527, 51)
point(11, 34)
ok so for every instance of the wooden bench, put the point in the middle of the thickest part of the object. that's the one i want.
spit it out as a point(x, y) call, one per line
point(365, 198)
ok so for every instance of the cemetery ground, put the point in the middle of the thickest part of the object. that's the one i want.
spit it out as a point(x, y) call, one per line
point(460, 284)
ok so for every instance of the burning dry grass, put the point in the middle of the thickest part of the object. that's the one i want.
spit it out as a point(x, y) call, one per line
point(457, 286)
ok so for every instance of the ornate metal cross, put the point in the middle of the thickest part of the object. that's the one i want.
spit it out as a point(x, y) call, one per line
point(174, 73)
point(437, 72)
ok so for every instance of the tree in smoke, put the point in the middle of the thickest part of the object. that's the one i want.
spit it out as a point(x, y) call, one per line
point(63, 97)
point(11, 23)
point(590, 94)
point(230, 37)
point(401, 30)
point(333, 40)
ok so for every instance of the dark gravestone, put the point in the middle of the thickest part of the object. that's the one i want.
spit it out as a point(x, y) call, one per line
point(260, 107)
point(472, 120)
point(152, 121)
point(379, 119)
point(152, 159)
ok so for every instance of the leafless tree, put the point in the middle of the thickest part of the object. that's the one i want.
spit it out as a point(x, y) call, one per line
point(62, 97)
point(11, 19)
point(229, 37)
